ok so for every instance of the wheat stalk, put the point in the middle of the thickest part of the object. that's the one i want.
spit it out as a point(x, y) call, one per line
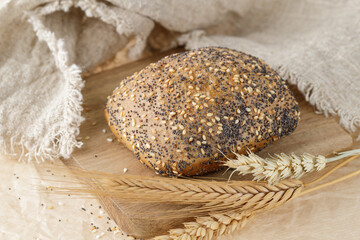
point(218, 207)
point(280, 166)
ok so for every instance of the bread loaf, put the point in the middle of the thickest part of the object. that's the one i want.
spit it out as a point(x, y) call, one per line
point(181, 114)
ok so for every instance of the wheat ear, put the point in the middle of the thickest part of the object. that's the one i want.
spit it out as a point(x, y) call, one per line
point(261, 198)
point(203, 196)
point(281, 166)
point(209, 227)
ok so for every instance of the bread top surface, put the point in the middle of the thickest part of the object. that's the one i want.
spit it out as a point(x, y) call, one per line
point(181, 114)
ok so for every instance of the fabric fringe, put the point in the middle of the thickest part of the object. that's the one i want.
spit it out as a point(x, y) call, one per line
point(60, 141)
point(316, 97)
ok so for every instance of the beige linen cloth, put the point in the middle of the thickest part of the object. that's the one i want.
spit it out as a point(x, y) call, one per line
point(45, 46)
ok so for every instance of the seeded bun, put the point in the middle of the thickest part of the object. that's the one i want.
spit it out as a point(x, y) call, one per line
point(181, 114)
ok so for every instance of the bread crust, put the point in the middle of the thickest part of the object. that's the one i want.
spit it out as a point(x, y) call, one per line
point(181, 114)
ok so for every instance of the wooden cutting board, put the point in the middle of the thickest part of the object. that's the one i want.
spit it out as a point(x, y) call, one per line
point(315, 134)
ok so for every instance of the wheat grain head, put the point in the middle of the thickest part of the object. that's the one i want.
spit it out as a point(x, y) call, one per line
point(277, 167)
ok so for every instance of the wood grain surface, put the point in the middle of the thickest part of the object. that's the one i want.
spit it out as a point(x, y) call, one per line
point(315, 134)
